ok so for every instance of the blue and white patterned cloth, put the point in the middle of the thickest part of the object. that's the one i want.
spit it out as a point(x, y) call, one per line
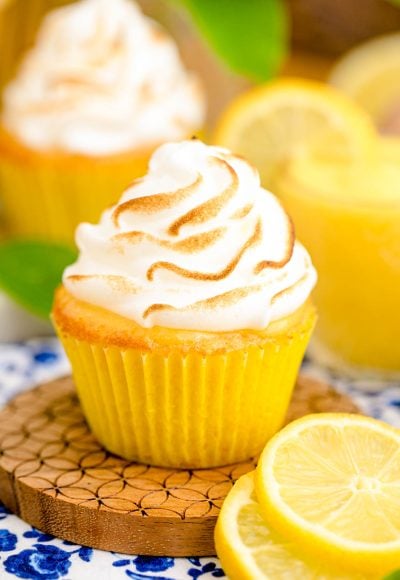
point(27, 553)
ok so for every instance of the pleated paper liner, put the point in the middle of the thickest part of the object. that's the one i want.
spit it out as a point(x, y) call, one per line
point(187, 410)
point(56, 476)
point(46, 195)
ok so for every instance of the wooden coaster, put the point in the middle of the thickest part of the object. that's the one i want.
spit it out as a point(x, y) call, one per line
point(58, 478)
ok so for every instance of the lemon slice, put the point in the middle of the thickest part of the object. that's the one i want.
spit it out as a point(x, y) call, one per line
point(370, 74)
point(249, 549)
point(292, 117)
point(331, 483)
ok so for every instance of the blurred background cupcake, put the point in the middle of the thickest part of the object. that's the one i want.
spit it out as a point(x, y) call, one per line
point(101, 88)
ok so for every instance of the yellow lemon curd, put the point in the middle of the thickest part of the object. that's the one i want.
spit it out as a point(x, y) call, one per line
point(348, 216)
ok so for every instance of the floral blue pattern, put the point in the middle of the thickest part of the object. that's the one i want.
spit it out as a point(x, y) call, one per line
point(47, 562)
point(3, 512)
point(200, 569)
point(8, 541)
point(145, 564)
point(27, 553)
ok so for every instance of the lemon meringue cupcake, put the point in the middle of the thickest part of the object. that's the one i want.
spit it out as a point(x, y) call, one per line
point(187, 313)
point(100, 90)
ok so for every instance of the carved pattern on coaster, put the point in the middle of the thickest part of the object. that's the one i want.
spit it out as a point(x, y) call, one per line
point(57, 477)
point(53, 450)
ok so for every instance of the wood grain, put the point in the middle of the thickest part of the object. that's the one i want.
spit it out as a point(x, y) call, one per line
point(58, 478)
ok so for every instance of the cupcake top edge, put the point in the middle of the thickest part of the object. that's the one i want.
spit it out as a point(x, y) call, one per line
point(102, 79)
point(195, 244)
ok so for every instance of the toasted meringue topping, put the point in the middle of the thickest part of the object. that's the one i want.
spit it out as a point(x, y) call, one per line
point(102, 79)
point(228, 262)
point(188, 245)
point(156, 202)
point(210, 208)
point(210, 276)
point(242, 212)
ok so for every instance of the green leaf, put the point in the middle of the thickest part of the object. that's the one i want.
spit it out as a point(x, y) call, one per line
point(393, 576)
point(251, 37)
point(31, 271)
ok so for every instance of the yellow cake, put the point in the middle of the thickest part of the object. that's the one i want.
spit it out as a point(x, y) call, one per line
point(187, 315)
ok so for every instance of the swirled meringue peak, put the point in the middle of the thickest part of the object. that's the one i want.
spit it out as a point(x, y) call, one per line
point(196, 244)
point(101, 79)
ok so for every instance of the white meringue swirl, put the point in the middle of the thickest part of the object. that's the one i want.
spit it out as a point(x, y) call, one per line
point(101, 79)
point(196, 244)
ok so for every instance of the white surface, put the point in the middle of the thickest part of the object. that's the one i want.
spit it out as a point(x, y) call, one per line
point(17, 324)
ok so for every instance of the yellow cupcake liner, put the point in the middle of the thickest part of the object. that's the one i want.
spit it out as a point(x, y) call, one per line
point(48, 200)
point(187, 411)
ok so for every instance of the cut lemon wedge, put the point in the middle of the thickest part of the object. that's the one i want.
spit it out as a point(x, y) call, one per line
point(250, 550)
point(331, 484)
point(370, 74)
point(289, 117)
